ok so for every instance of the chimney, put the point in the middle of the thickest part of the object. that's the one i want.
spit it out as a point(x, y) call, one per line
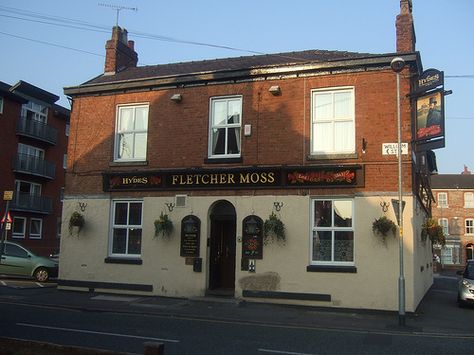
point(405, 29)
point(466, 171)
point(120, 53)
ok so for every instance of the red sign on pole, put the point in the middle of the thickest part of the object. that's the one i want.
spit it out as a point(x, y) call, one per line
point(7, 218)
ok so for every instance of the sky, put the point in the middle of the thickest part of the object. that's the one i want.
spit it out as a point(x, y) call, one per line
point(54, 44)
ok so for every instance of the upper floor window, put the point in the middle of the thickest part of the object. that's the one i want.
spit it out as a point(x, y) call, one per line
point(19, 227)
point(28, 150)
point(1, 104)
point(67, 128)
point(225, 127)
point(35, 111)
point(332, 123)
point(469, 224)
point(442, 199)
point(131, 133)
point(27, 188)
point(332, 239)
point(444, 223)
point(468, 200)
point(36, 227)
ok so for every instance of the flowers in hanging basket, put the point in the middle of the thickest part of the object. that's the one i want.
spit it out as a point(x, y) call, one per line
point(273, 228)
point(431, 229)
point(76, 220)
point(383, 226)
point(163, 225)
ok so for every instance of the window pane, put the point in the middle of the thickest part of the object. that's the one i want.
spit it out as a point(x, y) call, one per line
point(234, 111)
point(343, 105)
point(322, 137)
point(343, 246)
point(233, 141)
point(121, 213)
point(322, 214)
point(35, 226)
point(119, 241)
point(218, 143)
point(18, 226)
point(220, 113)
point(343, 213)
point(344, 136)
point(322, 245)
point(135, 214)
point(126, 119)
point(140, 145)
point(125, 145)
point(134, 241)
point(141, 118)
point(323, 106)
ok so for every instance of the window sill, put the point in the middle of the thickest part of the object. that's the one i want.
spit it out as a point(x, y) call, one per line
point(330, 268)
point(115, 260)
point(128, 163)
point(223, 160)
point(332, 156)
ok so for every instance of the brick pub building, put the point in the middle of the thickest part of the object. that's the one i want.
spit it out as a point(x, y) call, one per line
point(218, 146)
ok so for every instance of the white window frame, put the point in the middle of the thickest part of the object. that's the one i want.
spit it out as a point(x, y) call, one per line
point(442, 201)
point(127, 226)
point(226, 126)
point(134, 132)
point(18, 235)
point(444, 223)
point(33, 186)
point(317, 149)
point(39, 112)
point(332, 229)
point(1, 104)
point(469, 201)
point(469, 226)
point(65, 161)
point(67, 129)
point(36, 236)
point(31, 151)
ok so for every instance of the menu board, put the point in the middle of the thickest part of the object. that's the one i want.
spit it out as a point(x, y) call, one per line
point(190, 236)
point(252, 238)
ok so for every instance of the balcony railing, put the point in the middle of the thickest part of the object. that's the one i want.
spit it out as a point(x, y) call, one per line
point(23, 201)
point(28, 164)
point(36, 129)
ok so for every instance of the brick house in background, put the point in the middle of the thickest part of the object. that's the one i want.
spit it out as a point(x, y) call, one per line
point(218, 146)
point(454, 210)
point(33, 150)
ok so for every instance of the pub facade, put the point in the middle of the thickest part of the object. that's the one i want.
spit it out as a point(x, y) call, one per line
point(253, 177)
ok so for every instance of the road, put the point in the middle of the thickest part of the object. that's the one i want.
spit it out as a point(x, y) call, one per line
point(214, 332)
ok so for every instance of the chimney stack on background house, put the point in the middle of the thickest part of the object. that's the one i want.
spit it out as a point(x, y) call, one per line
point(405, 29)
point(120, 53)
point(466, 171)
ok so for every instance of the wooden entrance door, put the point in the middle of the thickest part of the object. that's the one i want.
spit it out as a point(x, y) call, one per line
point(222, 255)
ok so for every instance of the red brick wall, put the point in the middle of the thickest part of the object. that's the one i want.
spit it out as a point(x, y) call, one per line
point(178, 132)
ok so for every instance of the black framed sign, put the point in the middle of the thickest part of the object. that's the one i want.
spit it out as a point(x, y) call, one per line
point(190, 236)
point(252, 237)
point(430, 115)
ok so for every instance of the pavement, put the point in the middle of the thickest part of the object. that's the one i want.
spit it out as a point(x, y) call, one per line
point(437, 315)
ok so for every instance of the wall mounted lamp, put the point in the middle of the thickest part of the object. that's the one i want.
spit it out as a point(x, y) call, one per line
point(176, 98)
point(275, 90)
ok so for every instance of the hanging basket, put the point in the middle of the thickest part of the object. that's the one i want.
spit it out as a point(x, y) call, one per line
point(384, 227)
point(76, 222)
point(273, 229)
point(432, 230)
point(163, 225)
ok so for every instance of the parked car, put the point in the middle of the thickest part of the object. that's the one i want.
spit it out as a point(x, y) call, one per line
point(19, 261)
point(466, 284)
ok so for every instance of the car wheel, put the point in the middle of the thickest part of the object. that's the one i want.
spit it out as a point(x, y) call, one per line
point(41, 274)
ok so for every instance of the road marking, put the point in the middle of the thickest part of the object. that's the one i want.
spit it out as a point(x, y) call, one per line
point(3, 283)
point(40, 285)
point(282, 352)
point(94, 332)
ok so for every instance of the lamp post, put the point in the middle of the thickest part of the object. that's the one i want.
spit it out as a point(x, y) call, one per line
point(397, 65)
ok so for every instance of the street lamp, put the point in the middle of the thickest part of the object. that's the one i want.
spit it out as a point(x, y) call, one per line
point(397, 65)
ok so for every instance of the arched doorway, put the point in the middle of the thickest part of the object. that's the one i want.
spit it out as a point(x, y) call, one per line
point(469, 251)
point(222, 249)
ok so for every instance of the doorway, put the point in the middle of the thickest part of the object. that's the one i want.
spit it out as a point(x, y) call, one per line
point(222, 245)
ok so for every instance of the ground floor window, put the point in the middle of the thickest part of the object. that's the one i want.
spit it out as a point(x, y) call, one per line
point(36, 226)
point(126, 236)
point(332, 238)
point(19, 227)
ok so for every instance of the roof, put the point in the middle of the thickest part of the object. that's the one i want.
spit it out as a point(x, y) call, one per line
point(24, 88)
point(226, 64)
point(5, 92)
point(452, 181)
point(237, 68)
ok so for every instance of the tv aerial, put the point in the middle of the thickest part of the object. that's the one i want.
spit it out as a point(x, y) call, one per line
point(118, 8)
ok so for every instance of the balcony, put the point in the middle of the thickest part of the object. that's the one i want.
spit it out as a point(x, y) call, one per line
point(38, 130)
point(28, 164)
point(23, 201)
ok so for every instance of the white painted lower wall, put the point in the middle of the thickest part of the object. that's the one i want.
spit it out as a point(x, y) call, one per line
point(373, 286)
